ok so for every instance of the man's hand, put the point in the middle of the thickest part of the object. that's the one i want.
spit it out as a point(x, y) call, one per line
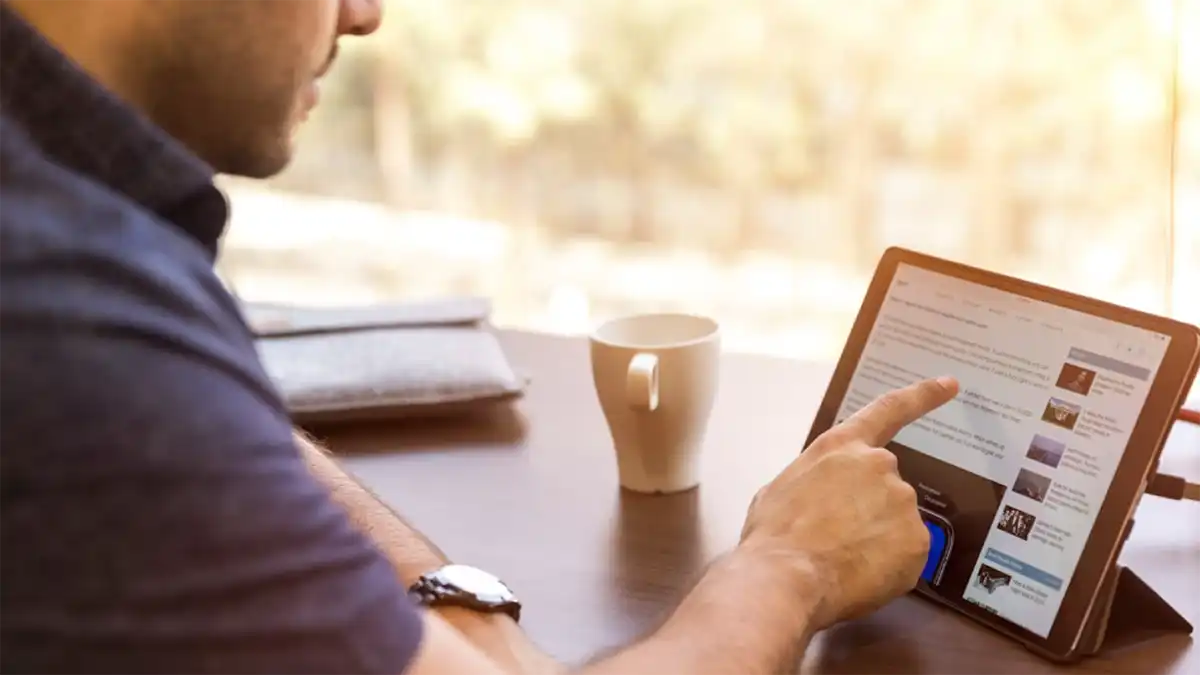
point(840, 517)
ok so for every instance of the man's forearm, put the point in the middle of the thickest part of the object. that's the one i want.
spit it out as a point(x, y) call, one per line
point(413, 554)
point(409, 551)
point(745, 616)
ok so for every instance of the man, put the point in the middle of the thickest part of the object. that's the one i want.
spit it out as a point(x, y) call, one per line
point(160, 514)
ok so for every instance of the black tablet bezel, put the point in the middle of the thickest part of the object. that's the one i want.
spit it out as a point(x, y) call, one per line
point(1170, 387)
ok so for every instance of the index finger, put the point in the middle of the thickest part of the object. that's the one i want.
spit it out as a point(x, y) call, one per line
point(880, 421)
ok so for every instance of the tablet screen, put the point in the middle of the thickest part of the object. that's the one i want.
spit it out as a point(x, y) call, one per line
point(1020, 462)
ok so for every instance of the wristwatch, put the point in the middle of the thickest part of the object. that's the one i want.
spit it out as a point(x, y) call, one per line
point(465, 586)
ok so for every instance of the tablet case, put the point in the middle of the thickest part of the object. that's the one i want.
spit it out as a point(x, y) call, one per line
point(1128, 612)
point(385, 361)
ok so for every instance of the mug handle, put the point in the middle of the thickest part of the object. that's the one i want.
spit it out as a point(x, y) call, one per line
point(641, 383)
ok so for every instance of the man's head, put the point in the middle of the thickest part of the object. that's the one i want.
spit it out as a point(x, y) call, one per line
point(231, 79)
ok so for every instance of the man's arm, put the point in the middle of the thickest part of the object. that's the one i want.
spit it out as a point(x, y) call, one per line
point(744, 617)
point(834, 536)
point(409, 551)
point(748, 614)
point(748, 625)
point(413, 554)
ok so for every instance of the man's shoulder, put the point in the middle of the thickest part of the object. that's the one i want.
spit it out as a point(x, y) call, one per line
point(50, 210)
point(75, 254)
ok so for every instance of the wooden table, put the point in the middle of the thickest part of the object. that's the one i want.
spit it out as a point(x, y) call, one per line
point(532, 496)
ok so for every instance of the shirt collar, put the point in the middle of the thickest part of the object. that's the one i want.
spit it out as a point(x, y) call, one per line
point(79, 124)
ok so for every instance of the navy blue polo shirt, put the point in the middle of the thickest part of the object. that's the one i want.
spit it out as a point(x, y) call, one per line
point(156, 514)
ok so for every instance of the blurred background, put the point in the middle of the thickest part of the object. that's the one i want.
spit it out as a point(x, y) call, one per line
point(746, 159)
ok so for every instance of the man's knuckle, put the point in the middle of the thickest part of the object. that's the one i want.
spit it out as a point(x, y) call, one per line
point(884, 459)
point(921, 536)
point(905, 493)
point(835, 437)
point(919, 540)
point(859, 451)
point(841, 465)
point(917, 528)
point(835, 440)
point(833, 460)
point(821, 442)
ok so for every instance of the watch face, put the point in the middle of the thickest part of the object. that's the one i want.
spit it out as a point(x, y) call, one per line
point(475, 581)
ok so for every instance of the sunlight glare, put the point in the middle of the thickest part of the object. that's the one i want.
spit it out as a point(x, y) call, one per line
point(1161, 14)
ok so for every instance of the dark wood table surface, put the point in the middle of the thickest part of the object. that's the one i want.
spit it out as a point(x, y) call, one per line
point(531, 494)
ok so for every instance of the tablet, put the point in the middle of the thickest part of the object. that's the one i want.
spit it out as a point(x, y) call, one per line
point(1027, 480)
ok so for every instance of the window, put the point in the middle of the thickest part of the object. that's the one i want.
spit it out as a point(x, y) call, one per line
point(748, 160)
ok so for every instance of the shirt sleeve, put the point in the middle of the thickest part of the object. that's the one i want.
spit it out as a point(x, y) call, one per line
point(158, 517)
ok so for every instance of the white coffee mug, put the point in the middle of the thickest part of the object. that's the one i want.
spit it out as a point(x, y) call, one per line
point(656, 378)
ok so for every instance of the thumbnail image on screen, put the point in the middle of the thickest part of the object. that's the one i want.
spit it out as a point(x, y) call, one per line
point(1016, 522)
point(1061, 413)
point(1046, 450)
point(1032, 485)
point(1075, 378)
point(989, 578)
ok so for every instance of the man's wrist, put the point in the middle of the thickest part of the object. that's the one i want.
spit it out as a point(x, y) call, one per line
point(788, 578)
point(751, 612)
point(752, 584)
point(414, 561)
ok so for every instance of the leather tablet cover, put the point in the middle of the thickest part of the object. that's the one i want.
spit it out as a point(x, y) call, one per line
point(1128, 612)
point(384, 361)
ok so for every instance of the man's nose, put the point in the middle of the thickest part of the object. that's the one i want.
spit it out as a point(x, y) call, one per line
point(359, 17)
